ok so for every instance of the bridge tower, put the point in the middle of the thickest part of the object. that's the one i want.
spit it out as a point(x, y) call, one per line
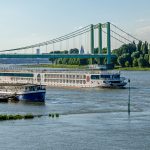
point(100, 38)
point(92, 39)
point(108, 44)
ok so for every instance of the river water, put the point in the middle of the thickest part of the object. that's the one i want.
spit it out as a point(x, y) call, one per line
point(90, 119)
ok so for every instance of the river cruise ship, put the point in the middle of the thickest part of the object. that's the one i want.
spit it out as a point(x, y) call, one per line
point(65, 78)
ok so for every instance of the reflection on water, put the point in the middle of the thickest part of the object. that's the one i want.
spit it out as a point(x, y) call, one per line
point(91, 118)
point(31, 103)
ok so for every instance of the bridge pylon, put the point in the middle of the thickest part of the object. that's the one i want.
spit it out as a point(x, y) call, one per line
point(100, 39)
point(108, 43)
point(92, 39)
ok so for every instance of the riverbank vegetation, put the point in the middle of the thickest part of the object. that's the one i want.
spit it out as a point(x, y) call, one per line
point(129, 57)
point(16, 117)
point(57, 66)
point(132, 55)
point(26, 116)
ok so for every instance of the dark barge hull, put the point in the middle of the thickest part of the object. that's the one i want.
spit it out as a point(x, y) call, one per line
point(31, 97)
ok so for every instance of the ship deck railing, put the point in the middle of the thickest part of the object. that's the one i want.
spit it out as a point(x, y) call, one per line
point(78, 71)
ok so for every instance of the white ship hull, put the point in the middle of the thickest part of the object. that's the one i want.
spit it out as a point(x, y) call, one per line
point(65, 78)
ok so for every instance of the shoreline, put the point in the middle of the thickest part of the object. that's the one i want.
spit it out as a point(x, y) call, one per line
point(84, 67)
point(132, 69)
point(56, 66)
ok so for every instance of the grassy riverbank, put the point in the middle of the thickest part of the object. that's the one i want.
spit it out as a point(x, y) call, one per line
point(56, 66)
point(83, 67)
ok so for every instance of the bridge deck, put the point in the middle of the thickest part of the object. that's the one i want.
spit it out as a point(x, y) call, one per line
point(54, 55)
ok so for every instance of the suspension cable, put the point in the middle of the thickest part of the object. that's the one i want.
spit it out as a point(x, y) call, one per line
point(115, 38)
point(125, 32)
point(121, 36)
point(65, 37)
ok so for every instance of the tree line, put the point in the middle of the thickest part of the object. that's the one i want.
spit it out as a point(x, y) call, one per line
point(127, 55)
point(69, 61)
point(77, 61)
point(132, 55)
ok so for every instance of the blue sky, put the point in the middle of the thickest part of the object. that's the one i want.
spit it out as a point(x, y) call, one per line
point(24, 22)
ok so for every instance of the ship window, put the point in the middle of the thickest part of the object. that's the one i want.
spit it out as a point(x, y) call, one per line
point(77, 76)
point(39, 78)
point(116, 76)
point(105, 76)
point(17, 74)
point(115, 81)
point(95, 77)
point(43, 87)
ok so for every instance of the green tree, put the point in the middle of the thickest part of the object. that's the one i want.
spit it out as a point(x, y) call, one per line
point(74, 51)
point(149, 55)
point(127, 64)
point(145, 48)
point(124, 58)
point(135, 54)
point(141, 62)
point(135, 62)
point(146, 58)
point(139, 46)
point(121, 61)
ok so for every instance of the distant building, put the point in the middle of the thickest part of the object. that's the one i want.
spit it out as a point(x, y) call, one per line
point(82, 50)
point(37, 51)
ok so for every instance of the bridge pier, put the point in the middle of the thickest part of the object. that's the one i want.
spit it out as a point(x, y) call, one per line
point(108, 44)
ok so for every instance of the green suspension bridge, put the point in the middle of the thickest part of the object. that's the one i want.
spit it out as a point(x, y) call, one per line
point(90, 37)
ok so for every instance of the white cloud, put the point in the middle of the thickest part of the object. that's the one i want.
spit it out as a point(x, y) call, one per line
point(141, 20)
point(144, 29)
point(143, 32)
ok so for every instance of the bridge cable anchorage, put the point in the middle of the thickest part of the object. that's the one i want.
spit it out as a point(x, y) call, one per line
point(125, 32)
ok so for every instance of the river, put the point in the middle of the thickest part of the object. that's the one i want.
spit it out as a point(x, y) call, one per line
point(90, 119)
